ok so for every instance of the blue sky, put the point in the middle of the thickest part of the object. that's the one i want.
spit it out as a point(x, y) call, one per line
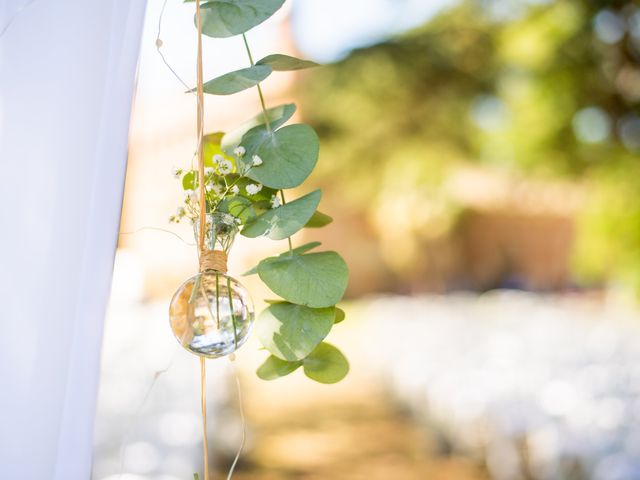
point(326, 30)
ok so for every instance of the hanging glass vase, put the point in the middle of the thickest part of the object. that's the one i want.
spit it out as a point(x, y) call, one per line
point(211, 314)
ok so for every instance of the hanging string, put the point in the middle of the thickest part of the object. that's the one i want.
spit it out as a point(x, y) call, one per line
point(202, 220)
point(200, 127)
point(203, 404)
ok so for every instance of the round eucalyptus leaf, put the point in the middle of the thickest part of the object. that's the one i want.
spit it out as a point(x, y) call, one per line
point(189, 180)
point(288, 154)
point(282, 222)
point(234, 82)
point(274, 368)
point(211, 147)
point(277, 117)
point(316, 280)
point(319, 220)
point(296, 251)
point(326, 364)
point(226, 18)
point(283, 63)
point(340, 315)
point(239, 207)
point(291, 332)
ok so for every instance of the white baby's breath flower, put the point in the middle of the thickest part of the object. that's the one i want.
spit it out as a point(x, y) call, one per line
point(209, 171)
point(253, 188)
point(238, 221)
point(225, 166)
point(227, 218)
point(275, 201)
point(180, 212)
point(217, 189)
point(256, 161)
point(217, 158)
point(190, 195)
point(239, 151)
point(235, 189)
point(176, 172)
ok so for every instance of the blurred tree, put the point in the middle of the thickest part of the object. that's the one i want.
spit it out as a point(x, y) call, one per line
point(545, 90)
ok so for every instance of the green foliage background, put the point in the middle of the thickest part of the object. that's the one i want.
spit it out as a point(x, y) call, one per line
point(399, 117)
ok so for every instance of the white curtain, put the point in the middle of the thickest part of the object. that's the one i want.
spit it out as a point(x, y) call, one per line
point(67, 73)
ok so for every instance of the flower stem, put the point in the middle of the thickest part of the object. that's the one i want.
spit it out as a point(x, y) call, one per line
point(233, 316)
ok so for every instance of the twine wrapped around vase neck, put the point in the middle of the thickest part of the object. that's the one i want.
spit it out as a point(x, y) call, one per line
point(213, 260)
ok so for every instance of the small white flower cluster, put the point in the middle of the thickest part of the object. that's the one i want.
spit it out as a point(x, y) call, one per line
point(191, 195)
point(179, 215)
point(217, 185)
point(275, 201)
point(224, 166)
point(253, 188)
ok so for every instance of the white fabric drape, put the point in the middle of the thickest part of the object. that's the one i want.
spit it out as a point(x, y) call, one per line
point(67, 72)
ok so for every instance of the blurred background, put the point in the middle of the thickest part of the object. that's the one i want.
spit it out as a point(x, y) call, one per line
point(480, 160)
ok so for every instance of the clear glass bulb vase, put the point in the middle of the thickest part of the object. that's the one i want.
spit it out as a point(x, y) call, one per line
point(211, 314)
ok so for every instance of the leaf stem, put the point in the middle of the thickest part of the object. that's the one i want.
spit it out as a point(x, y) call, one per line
point(262, 103)
point(284, 202)
point(266, 120)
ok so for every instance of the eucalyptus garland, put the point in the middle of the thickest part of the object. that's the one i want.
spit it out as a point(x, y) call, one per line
point(247, 171)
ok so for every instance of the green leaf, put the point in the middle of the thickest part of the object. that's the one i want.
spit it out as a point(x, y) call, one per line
point(251, 271)
point(211, 147)
point(273, 368)
point(234, 82)
point(288, 154)
point(318, 220)
point(282, 222)
point(239, 207)
point(296, 251)
point(189, 180)
point(316, 280)
point(277, 117)
point(281, 62)
point(265, 194)
point(291, 332)
point(326, 364)
point(226, 18)
point(303, 248)
point(340, 315)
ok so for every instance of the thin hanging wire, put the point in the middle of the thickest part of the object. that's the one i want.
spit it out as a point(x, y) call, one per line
point(243, 422)
point(158, 229)
point(160, 43)
point(136, 416)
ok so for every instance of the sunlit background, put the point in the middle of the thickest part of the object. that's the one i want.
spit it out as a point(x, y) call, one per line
point(480, 161)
